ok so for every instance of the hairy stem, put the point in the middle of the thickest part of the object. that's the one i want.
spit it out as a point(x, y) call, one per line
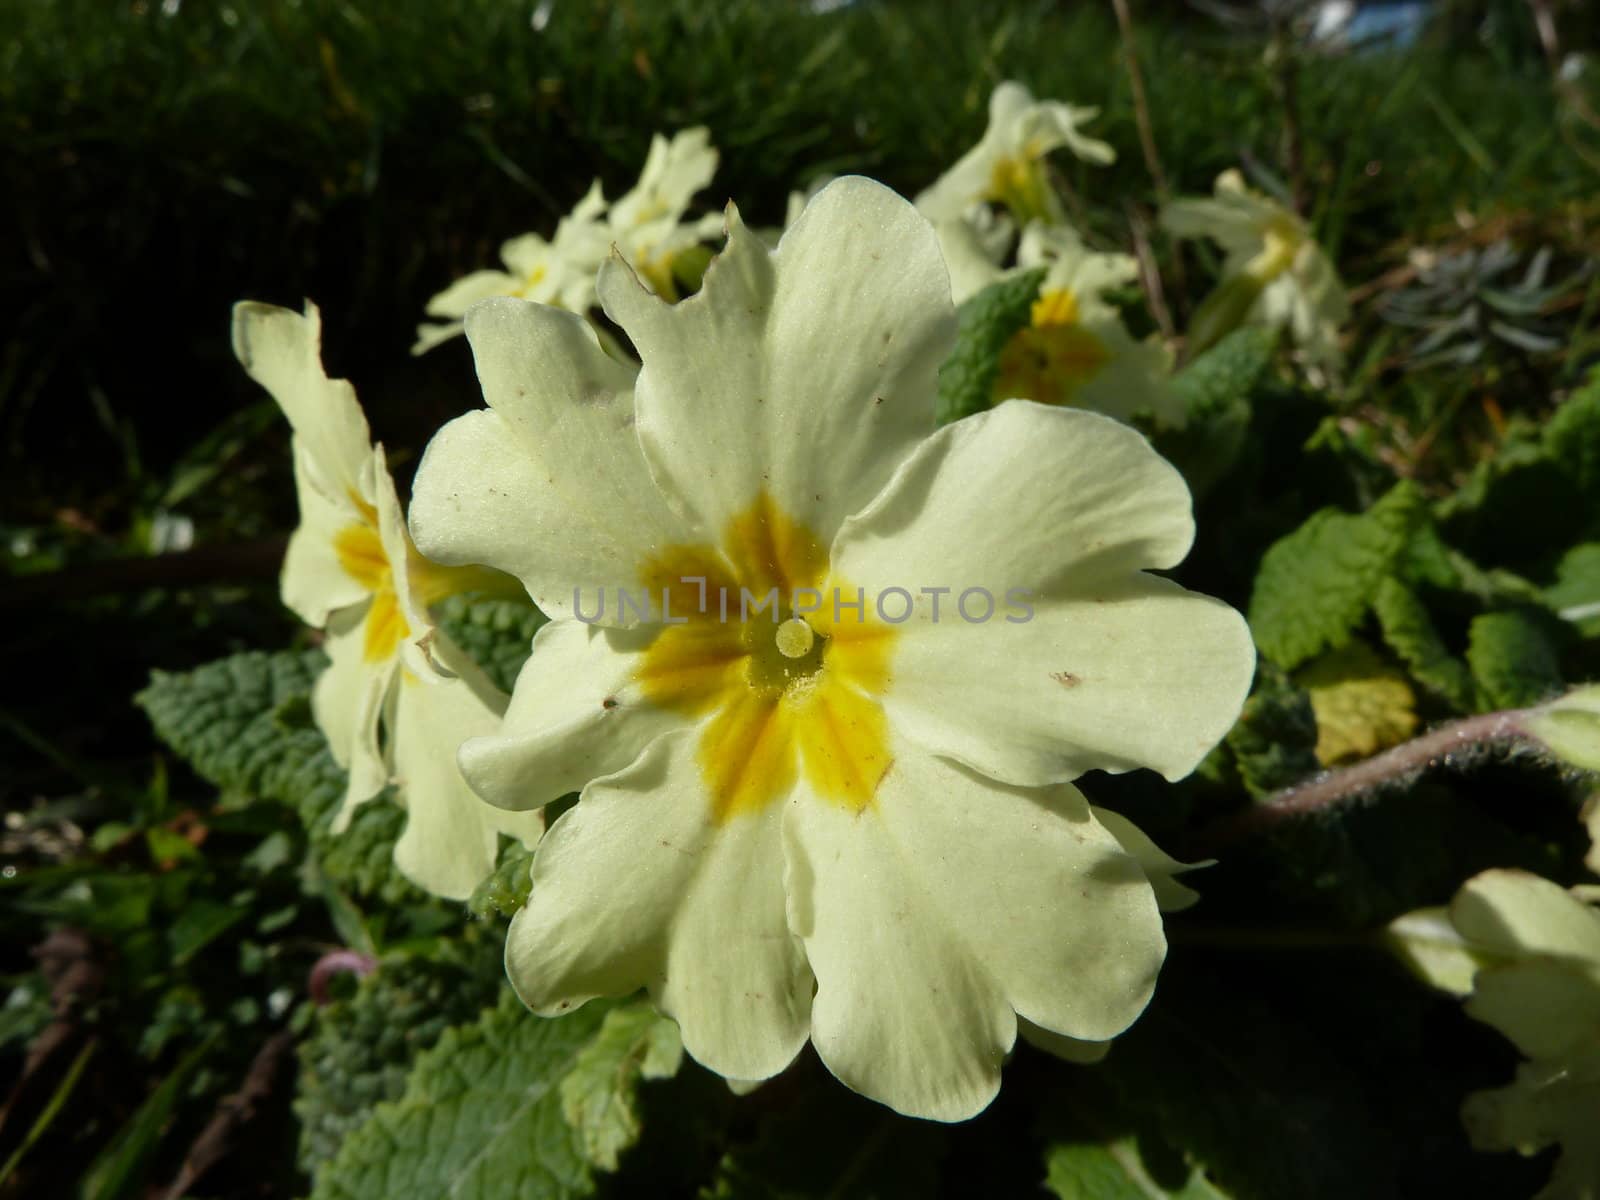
point(1398, 764)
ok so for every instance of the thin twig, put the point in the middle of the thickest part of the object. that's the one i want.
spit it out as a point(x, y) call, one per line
point(1150, 274)
point(1141, 103)
point(1397, 765)
point(222, 1133)
point(1158, 178)
point(222, 563)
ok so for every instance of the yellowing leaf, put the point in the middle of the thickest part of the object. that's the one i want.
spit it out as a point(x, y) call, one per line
point(1362, 704)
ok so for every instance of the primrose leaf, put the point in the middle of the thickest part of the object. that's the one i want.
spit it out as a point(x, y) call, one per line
point(1410, 633)
point(1315, 585)
point(243, 723)
point(1513, 658)
point(599, 1097)
point(480, 1118)
point(986, 322)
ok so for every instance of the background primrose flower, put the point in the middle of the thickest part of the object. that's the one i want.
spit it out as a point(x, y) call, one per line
point(1007, 167)
point(851, 821)
point(398, 696)
point(1526, 954)
point(1274, 273)
point(646, 225)
point(558, 272)
point(1075, 350)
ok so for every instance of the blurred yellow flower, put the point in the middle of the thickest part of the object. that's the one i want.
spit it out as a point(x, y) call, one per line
point(1274, 273)
point(1526, 954)
point(1007, 166)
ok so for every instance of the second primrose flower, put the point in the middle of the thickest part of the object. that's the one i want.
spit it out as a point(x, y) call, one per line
point(398, 696)
point(832, 826)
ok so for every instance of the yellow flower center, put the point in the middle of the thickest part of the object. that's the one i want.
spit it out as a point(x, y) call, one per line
point(1053, 358)
point(1019, 183)
point(656, 267)
point(1281, 242)
point(785, 698)
point(534, 279)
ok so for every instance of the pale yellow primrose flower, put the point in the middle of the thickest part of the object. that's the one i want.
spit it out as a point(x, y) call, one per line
point(1528, 952)
point(1007, 165)
point(647, 226)
point(351, 569)
point(1075, 350)
point(559, 272)
point(1274, 273)
point(845, 827)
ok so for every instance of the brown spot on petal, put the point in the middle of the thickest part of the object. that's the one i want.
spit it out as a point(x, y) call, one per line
point(1065, 678)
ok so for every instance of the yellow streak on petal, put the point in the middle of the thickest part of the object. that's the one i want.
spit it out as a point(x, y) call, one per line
point(385, 627)
point(360, 552)
point(747, 755)
point(768, 548)
point(667, 570)
point(693, 668)
point(844, 739)
point(434, 582)
point(859, 645)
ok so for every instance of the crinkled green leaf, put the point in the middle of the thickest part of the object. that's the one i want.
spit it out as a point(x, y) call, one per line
point(1314, 585)
point(1410, 633)
point(1513, 659)
point(360, 1049)
point(244, 723)
point(224, 717)
point(480, 1118)
point(496, 632)
point(987, 321)
point(1538, 479)
point(1493, 587)
point(1427, 560)
point(599, 1098)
